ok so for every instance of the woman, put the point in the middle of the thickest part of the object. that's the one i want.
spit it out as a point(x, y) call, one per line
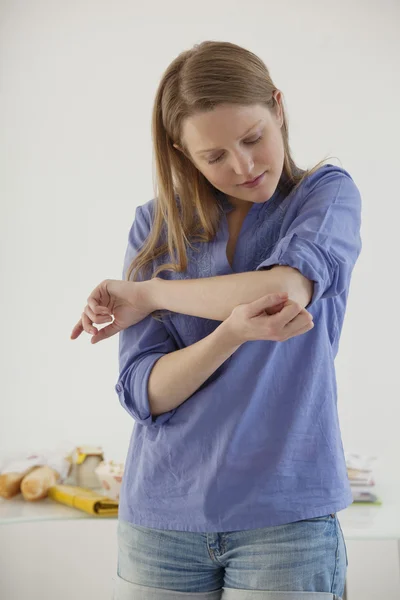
point(229, 316)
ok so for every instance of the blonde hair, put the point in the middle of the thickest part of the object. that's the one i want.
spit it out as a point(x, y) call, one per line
point(198, 80)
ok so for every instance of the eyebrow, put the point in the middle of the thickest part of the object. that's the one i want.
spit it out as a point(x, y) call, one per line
point(212, 149)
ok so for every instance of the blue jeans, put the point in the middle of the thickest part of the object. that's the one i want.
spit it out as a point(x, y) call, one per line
point(304, 560)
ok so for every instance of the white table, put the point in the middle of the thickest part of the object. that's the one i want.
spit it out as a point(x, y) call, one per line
point(372, 535)
point(48, 550)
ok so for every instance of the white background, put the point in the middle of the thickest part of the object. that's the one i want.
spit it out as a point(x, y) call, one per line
point(77, 84)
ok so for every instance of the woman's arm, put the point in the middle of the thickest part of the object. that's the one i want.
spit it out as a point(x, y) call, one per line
point(216, 297)
point(177, 375)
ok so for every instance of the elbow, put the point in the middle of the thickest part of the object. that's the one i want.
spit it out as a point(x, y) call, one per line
point(299, 288)
point(153, 410)
point(159, 405)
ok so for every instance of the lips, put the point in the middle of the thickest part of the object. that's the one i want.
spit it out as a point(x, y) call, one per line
point(253, 181)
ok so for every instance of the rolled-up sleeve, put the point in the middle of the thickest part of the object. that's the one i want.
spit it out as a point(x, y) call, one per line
point(140, 346)
point(323, 240)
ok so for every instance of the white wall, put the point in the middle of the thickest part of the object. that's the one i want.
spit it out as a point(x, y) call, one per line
point(77, 82)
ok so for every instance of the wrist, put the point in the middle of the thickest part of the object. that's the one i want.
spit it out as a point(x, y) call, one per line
point(150, 291)
point(227, 336)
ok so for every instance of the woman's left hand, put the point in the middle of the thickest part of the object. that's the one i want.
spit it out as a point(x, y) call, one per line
point(126, 301)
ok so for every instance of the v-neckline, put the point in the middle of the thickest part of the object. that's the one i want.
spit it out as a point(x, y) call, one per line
point(249, 213)
point(224, 266)
point(234, 235)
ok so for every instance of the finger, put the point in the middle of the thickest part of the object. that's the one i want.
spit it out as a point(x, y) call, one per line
point(97, 318)
point(302, 320)
point(96, 308)
point(77, 330)
point(287, 314)
point(88, 325)
point(105, 333)
point(272, 310)
point(290, 327)
point(300, 331)
point(257, 306)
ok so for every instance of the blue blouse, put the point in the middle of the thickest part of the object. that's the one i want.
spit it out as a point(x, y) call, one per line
point(259, 443)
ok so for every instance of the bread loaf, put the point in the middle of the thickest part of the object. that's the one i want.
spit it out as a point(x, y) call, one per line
point(10, 483)
point(36, 484)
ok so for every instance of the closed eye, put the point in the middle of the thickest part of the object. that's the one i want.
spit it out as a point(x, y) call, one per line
point(211, 162)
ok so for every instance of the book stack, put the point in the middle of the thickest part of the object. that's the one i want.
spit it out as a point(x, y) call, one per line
point(361, 476)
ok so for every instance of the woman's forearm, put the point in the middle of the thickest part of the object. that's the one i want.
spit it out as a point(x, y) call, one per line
point(216, 297)
point(177, 375)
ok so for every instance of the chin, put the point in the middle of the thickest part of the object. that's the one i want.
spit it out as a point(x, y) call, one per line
point(268, 189)
point(262, 194)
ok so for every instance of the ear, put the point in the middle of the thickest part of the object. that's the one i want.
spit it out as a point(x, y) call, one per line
point(181, 150)
point(278, 108)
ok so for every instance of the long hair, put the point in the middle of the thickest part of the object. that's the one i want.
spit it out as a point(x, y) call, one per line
point(185, 207)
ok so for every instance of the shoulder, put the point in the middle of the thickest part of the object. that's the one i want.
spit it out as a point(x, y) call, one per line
point(143, 217)
point(143, 223)
point(330, 176)
point(327, 186)
point(145, 211)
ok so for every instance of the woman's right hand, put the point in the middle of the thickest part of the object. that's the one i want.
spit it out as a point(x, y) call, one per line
point(273, 317)
point(123, 300)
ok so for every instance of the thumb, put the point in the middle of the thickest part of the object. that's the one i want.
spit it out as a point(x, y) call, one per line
point(261, 304)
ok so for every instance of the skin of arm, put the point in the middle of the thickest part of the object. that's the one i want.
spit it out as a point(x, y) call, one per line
point(177, 375)
point(216, 297)
point(212, 298)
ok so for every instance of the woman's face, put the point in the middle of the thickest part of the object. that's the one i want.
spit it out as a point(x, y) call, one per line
point(233, 144)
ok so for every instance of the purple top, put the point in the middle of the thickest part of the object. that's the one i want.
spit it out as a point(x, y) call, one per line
point(259, 443)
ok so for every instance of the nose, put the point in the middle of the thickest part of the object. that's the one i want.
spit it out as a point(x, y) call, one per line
point(243, 164)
